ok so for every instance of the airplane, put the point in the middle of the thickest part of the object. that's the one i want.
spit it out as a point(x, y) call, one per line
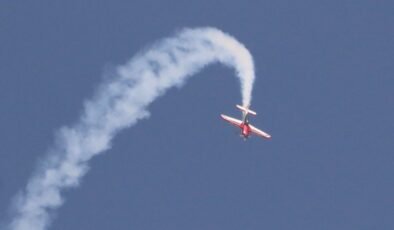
point(244, 125)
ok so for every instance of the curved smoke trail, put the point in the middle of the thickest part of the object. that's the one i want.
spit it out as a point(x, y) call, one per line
point(120, 103)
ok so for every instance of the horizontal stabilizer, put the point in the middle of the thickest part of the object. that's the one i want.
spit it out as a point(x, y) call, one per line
point(246, 110)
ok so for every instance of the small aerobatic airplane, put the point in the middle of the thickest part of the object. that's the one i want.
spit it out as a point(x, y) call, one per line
point(244, 125)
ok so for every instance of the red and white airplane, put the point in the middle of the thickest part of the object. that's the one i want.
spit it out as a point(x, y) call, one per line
point(244, 125)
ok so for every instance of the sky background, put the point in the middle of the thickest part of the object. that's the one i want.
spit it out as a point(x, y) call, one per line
point(324, 89)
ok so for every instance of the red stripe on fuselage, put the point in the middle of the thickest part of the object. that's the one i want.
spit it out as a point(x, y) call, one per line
point(245, 129)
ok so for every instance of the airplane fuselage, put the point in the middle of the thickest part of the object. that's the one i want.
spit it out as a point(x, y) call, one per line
point(245, 126)
point(245, 129)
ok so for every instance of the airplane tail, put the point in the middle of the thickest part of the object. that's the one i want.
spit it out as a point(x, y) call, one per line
point(246, 110)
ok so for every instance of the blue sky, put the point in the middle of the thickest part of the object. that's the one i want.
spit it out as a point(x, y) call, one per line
point(324, 90)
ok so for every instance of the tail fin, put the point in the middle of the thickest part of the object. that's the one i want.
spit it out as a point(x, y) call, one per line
point(246, 110)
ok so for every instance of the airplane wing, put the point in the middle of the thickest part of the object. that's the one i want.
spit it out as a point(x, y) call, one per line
point(231, 120)
point(259, 132)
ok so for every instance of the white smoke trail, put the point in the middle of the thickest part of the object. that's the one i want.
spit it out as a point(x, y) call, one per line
point(120, 103)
